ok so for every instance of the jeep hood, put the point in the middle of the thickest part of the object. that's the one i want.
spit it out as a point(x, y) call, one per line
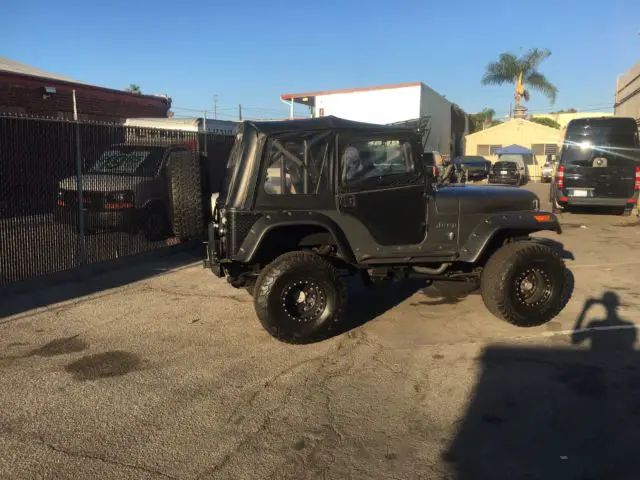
point(484, 199)
point(102, 183)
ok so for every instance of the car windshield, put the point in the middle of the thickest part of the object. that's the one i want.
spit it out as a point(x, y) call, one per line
point(479, 161)
point(129, 160)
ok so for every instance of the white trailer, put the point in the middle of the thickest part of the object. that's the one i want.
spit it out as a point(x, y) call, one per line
point(398, 103)
point(220, 127)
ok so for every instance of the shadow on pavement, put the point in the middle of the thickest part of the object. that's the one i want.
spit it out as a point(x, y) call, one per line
point(555, 413)
point(366, 304)
point(24, 296)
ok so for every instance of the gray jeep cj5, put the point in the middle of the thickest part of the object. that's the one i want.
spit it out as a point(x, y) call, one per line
point(306, 203)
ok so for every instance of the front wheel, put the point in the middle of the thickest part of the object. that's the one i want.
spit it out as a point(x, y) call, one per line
point(525, 283)
point(299, 297)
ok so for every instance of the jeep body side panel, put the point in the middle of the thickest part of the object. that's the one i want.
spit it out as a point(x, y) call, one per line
point(287, 218)
point(485, 230)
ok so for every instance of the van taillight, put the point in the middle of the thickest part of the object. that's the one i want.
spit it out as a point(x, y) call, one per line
point(637, 185)
point(560, 177)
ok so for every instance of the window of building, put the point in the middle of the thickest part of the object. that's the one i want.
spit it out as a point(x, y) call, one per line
point(486, 150)
point(297, 166)
point(551, 149)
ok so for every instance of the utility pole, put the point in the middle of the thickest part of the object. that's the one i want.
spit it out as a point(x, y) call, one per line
point(215, 106)
point(239, 112)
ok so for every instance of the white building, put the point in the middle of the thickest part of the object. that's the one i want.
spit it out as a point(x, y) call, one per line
point(446, 125)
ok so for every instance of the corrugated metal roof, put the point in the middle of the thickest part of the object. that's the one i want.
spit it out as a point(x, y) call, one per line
point(8, 65)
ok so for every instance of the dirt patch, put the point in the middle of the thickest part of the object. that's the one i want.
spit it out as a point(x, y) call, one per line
point(60, 346)
point(103, 365)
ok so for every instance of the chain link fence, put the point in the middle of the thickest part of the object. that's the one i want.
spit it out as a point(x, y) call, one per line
point(75, 193)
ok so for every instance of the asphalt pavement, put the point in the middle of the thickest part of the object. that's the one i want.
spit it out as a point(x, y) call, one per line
point(171, 376)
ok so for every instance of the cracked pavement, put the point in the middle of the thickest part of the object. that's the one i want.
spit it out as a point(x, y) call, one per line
point(171, 376)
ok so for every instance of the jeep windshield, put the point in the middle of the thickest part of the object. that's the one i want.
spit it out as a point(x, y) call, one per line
point(129, 160)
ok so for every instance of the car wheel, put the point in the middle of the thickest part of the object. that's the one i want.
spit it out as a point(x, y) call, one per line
point(525, 283)
point(155, 223)
point(299, 297)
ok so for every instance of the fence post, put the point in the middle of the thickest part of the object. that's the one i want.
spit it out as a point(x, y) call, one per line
point(81, 227)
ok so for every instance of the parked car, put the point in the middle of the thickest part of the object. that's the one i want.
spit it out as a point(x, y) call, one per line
point(505, 173)
point(521, 156)
point(475, 167)
point(146, 185)
point(599, 165)
point(363, 205)
point(434, 161)
point(548, 170)
point(128, 189)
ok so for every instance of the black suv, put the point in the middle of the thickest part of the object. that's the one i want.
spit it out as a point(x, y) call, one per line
point(598, 166)
point(307, 202)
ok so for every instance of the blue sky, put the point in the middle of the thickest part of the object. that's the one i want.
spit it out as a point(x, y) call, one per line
point(250, 52)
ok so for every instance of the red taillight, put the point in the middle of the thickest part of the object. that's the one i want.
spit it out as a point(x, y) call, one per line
point(60, 202)
point(435, 172)
point(637, 184)
point(118, 205)
point(560, 177)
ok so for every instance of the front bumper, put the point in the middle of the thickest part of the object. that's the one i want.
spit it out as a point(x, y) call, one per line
point(95, 219)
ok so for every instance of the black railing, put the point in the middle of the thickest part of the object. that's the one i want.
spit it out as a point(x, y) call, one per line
point(49, 168)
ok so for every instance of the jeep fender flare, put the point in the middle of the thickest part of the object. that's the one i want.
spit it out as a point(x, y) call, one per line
point(272, 221)
point(522, 222)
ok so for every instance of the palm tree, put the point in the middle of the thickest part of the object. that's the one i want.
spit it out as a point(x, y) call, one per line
point(133, 88)
point(521, 71)
point(487, 117)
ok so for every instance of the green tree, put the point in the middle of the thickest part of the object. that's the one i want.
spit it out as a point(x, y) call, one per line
point(549, 122)
point(522, 72)
point(482, 120)
point(495, 122)
point(133, 88)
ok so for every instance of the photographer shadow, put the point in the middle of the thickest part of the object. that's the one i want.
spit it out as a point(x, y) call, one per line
point(620, 334)
point(540, 412)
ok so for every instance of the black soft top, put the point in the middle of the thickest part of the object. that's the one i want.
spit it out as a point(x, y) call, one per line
point(321, 123)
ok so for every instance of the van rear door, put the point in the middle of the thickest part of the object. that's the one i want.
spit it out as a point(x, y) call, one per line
point(600, 162)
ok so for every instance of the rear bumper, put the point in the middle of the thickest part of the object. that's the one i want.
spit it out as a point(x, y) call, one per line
point(503, 179)
point(564, 200)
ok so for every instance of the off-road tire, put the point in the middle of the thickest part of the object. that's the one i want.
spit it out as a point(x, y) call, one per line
point(499, 283)
point(185, 194)
point(159, 231)
point(280, 277)
point(453, 289)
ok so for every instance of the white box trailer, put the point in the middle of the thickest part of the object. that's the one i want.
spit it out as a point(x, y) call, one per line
point(220, 127)
point(398, 103)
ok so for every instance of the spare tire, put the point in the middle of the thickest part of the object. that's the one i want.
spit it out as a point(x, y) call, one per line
point(185, 194)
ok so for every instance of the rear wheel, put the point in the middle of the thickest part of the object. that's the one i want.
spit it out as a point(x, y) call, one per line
point(525, 283)
point(299, 297)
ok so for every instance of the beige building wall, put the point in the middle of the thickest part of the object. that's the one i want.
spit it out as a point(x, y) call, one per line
point(539, 138)
point(564, 118)
point(628, 94)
